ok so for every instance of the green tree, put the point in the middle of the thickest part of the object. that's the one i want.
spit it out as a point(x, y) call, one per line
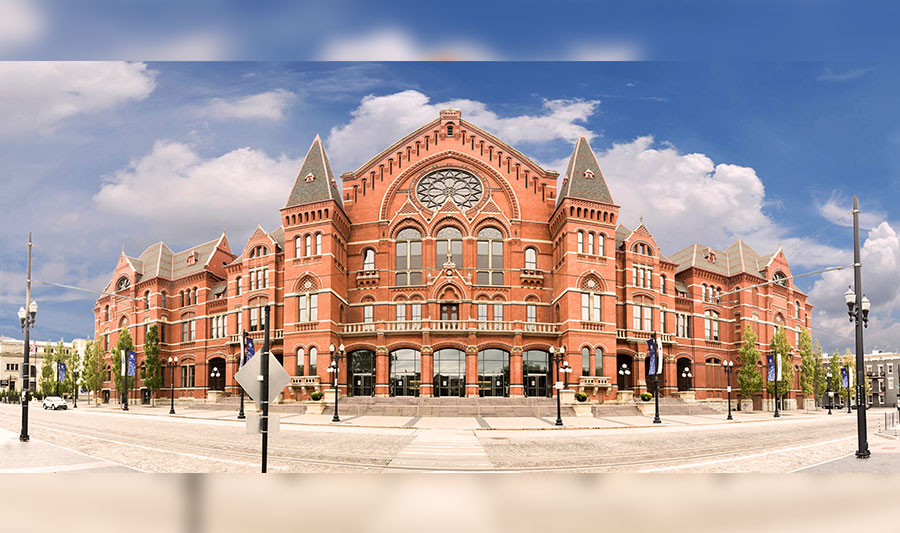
point(821, 382)
point(73, 364)
point(125, 343)
point(60, 356)
point(94, 372)
point(808, 364)
point(780, 347)
point(47, 383)
point(749, 380)
point(151, 373)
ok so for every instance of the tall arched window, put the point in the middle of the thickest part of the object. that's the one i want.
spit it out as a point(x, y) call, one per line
point(448, 240)
point(590, 300)
point(369, 259)
point(298, 246)
point(601, 244)
point(797, 309)
point(301, 364)
point(307, 245)
point(585, 361)
point(313, 360)
point(318, 244)
point(530, 259)
point(590, 247)
point(146, 299)
point(162, 299)
point(409, 257)
point(106, 314)
point(581, 242)
point(780, 279)
point(662, 284)
point(711, 325)
point(642, 313)
point(490, 257)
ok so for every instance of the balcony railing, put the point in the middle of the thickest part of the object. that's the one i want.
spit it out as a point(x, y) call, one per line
point(450, 326)
point(274, 335)
point(637, 336)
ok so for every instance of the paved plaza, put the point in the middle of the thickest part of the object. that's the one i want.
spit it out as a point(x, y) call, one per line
point(148, 439)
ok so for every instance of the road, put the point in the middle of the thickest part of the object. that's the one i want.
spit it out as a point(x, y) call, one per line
point(151, 443)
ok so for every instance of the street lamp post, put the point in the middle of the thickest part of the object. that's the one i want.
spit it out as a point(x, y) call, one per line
point(215, 374)
point(729, 369)
point(558, 356)
point(244, 335)
point(687, 375)
point(624, 372)
point(849, 391)
point(26, 320)
point(334, 369)
point(858, 309)
point(173, 362)
point(830, 394)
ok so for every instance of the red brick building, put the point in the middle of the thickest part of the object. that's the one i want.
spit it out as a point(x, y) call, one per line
point(448, 265)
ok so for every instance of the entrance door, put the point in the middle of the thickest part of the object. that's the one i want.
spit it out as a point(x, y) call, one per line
point(363, 385)
point(536, 385)
point(145, 396)
point(492, 385)
point(106, 396)
point(624, 369)
point(449, 372)
point(449, 311)
point(405, 385)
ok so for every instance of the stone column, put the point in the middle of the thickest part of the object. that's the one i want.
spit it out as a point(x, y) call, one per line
point(471, 371)
point(426, 385)
point(516, 387)
point(382, 372)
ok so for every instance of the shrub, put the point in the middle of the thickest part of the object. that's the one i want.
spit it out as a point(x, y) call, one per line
point(316, 396)
point(646, 396)
point(581, 397)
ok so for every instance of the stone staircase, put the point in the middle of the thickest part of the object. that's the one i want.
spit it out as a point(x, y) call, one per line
point(677, 406)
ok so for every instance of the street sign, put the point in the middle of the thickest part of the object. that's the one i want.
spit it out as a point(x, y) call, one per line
point(558, 385)
point(254, 423)
point(250, 378)
point(4, 383)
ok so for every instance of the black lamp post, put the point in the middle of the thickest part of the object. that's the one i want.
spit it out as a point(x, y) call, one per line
point(729, 369)
point(557, 356)
point(858, 309)
point(244, 335)
point(173, 362)
point(334, 369)
point(624, 372)
point(26, 320)
point(849, 390)
point(686, 374)
point(830, 394)
point(215, 374)
point(57, 377)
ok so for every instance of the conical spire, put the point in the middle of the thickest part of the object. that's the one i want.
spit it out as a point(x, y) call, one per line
point(583, 177)
point(315, 182)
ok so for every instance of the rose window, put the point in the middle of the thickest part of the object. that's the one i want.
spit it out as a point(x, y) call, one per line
point(450, 184)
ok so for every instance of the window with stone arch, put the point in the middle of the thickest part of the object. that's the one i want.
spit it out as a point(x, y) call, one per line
point(601, 244)
point(400, 308)
point(780, 279)
point(642, 313)
point(408, 255)
point(369, 259)
point(308, 300)
point(711, 325)
point(591, 307)
point(448, 247)
point(490, 257)
point(580, 242)
point(298, 246)
point(530, 258)
point(319, 243)
point(586, 361)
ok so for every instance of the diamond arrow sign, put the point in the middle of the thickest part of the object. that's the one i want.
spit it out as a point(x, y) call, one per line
point(250, 378)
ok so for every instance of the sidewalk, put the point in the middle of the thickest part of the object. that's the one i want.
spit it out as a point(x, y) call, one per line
point(470, 423)
point(37, 457)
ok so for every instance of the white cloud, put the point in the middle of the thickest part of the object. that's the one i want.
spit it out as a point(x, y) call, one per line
point(852, 74)
point(37, 96)
point(270, 105)
point(880, 259)
point(604, 51)
point(838, 209)
point(393, 44)
point(386, 118)
point(175, 193)
point(21, 24)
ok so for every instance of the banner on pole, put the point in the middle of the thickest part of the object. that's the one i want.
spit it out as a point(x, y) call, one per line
point(132, 363)
point(251, 350)
point(770, 359)
point(61, 375)
point(778, 375)
point(844, 377)
point(124, 358)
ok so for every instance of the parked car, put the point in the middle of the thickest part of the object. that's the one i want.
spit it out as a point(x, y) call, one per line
point(54, 402)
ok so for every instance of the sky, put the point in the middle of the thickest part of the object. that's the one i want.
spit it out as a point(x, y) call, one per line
point(97, 156)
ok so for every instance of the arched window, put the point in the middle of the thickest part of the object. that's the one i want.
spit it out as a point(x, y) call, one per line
point(601, 244)
point(590, 300)
point(490, 257)
point(662, 284)
point(598, 362)
point(301, 364)
point(308, 307)
point(642, 313)
point(195, 296)
point(313, 360)
point(590, 247)
point(369, 259)
point(146, 299)
point(449, 130)
point(530, 259)
point(448, 241)
point(307, 245)
point(703, 293)
point(183, 301)
point(162, 299)
point(780, 279)
point(238, 289)
point(797, 309)
point(368, 312)
point(318, 244)
point(298, 247)
point(409, 257)
point(585, 361)
point(711, 325)
point(400, 309)
point(581, 242)
point(106, 314)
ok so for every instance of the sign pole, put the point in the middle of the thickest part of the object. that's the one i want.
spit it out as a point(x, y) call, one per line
point(264, 396)
point(241, 415)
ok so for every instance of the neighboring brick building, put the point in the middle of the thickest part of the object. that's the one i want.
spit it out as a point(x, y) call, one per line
point(448, 266)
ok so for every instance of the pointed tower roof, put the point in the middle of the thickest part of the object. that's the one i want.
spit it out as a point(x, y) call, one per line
point(583, 178)
point(315, 182)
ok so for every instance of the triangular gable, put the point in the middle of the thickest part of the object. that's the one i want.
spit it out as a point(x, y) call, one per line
point(583, 177)
point(315, 182)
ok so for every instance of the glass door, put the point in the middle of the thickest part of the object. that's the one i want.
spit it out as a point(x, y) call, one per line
point(363, 385)
point(536, 385)
point(492, 385)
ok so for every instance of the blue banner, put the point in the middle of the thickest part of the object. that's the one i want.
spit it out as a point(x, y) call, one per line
point(250, 349)
point(132, 363)
point(61, 372)
point(771, 362)
point(651, 348)
point(845, 377)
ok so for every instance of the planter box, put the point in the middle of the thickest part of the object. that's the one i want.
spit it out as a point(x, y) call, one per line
point(567, 397)
point(583, 409)
point(314, 408)
point(624, 396)
point(647, 408)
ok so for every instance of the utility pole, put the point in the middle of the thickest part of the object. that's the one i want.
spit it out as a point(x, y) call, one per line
point(264, 393)
point(863, 451)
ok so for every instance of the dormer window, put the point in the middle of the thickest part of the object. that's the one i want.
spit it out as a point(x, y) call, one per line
point(123, 284)
point(780, 279)
point(309, 177)
point(449, 130)
point(710, 256)
point(589, 174)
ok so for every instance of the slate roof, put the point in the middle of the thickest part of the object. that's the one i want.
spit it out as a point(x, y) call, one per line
point(737, 258)
point(576, 184)
point(322, 186)
point(159, 260)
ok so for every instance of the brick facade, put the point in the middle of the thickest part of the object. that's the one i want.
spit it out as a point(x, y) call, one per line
point(448, 264)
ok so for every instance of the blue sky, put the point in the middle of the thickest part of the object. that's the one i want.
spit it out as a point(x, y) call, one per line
point(97, 156)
